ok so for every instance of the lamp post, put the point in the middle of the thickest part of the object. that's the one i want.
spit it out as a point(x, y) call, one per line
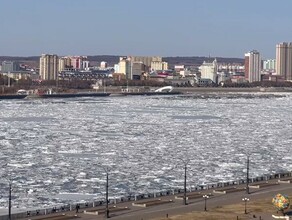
point(205, 197)
point(106, 214)
point(185, 162)
point(247, 175)
point(9, 203)
point(185, 186)
point(245, 200)
point(106, 197)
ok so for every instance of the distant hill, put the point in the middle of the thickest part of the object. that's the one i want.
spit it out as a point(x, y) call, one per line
point(110, 59)
point(189, 61)
point(33, 61)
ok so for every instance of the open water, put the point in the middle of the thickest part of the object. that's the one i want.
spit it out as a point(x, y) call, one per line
point(57, 150)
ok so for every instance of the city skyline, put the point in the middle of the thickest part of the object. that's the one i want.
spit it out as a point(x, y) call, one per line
point(190, 28)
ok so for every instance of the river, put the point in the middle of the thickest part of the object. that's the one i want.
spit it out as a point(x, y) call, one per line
point(58, 150)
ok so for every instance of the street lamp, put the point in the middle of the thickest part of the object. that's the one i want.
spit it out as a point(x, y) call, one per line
point(9, 203)
point(185, 162)
point(205, 197)
point(107, 170)
point(106, 197)
point(247, 175)
point(245, 200)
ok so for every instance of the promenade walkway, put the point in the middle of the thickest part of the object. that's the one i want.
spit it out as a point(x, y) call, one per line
point(196, 203)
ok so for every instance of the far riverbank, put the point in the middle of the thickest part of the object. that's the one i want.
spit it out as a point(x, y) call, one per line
point(187, 90)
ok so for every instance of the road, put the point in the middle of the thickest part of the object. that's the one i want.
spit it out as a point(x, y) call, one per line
point(176, 207)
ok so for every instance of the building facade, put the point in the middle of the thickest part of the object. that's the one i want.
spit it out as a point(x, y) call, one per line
point(138, 68)
point(252, 64)
point(269, 65)
point(145, 60)
point(77, 62)
point(209, 71)
point(73, 62)
point(61, 64)
point(284, 60)
point(49, 66)
point(159, 65)
point(103, 65)
point(125, 67)
point(64, 63)
point(131, 64)
point(10, 66)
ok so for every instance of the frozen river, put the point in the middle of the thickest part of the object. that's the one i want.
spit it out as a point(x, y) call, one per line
point(54, 149)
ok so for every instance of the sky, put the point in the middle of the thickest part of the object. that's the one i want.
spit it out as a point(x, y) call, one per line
point(217, 28)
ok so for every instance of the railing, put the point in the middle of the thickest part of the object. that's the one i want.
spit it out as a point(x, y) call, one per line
point(70, 207)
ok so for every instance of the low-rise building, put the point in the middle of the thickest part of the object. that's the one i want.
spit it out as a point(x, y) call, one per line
point(84, 74)
point(17, 75)
point(178, 68)
point(103, 65)
point(222, 77)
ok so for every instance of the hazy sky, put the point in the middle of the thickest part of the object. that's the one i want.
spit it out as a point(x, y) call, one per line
point(222, 28)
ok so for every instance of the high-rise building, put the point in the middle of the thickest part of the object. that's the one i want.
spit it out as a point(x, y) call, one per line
point(85, 65)
point(284, 60)
point(78, 61)
point(10, 66)
point(159, 65)
point(209, 71)
point(164, 65)
point(116, 68)
point(125, 67)
point(49, 66)
point(145, 60)
point(64, 63)
point(269, 65)
point(61, 65)
point(252, 65)
point(137, 70)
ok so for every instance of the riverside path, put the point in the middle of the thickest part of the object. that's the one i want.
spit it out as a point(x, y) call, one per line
point(129, 212)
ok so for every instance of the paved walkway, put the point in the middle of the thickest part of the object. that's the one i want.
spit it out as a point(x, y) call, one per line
point(177, 207)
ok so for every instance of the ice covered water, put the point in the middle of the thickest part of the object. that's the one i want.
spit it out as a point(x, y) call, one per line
point(54, 148)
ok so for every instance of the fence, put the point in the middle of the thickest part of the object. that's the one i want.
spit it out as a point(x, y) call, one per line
point(69, 207)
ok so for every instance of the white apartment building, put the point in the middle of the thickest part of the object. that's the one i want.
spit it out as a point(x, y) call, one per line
point(253, 66)
point(209, 71)
point(103, 65)
point(269, 64)
point(117, 68)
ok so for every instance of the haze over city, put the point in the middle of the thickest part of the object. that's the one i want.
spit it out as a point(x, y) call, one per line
point(224, 28)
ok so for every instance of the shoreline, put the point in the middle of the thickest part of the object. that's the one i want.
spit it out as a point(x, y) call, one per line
point(120, 90)
point(188, 90)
